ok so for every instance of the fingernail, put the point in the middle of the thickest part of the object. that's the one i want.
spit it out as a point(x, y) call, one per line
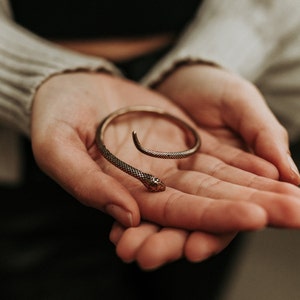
point(293, 166)
point(120, 214)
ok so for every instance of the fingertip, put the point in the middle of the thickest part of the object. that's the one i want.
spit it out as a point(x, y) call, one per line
point(286, 168)
point(227, 216)
point(268, 170)
point(108, 195)
point(285, 214)
point(242, 216)
point(132, 240)
point(258, 165)
point(116, 233)
point(253, 216)
point(276, 151)
point(162, 248)
point(94, 188)
point(149, 258)
point(201, 246)
point(122, 215)
point(293, 175)
point(127, 246)
point(199, 253)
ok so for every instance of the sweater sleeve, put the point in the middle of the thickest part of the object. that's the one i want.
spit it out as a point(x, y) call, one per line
point(27, 60)
point(240, 36)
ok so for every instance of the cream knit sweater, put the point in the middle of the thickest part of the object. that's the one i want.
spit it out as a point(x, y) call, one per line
point(259, 40)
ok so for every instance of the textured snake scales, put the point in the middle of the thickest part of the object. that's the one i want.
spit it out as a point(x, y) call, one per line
point(152, 183)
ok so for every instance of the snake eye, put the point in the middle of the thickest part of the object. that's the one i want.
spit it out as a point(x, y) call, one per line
point(156, 185)
point(156, 180)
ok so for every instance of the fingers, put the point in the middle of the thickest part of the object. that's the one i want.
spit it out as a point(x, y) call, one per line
point(214, 167)
point(249, 115)
point(152, 247)
point(173, 208)
point(149, 246)
point(282, 210)
point(218, 99)
point(201, 245)
point(129, 240)
point(276, 151)
point(165, 246)
point(237, 157)
point(272, 145)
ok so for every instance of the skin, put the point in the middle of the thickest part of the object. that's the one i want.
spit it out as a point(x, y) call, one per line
point(209, 197)
point(227, 105)
point(213, 91)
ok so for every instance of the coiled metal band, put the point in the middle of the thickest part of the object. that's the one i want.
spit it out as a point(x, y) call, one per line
point(151, 182)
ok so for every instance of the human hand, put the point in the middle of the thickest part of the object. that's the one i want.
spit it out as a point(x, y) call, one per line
point(234, 111)
point(151, 246)
point(204, 192)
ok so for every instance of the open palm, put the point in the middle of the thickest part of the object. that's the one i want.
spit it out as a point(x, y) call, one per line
point(234, 111)
point(205, 193)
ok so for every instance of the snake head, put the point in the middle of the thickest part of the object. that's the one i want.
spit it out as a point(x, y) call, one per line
point(155, 185)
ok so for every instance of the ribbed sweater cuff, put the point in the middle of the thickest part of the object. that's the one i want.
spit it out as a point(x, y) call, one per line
point(239, 36)
point(25, 62)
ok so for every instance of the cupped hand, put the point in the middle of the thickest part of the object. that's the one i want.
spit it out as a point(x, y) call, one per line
point(203, 193)
point(230, 107)
point(151, 246)
point(205, 196)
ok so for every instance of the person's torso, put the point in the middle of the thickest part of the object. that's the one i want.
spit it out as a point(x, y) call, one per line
point(90, 19)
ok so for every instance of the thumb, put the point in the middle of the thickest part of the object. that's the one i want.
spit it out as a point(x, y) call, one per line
point(82, 177)
point(263, 133)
